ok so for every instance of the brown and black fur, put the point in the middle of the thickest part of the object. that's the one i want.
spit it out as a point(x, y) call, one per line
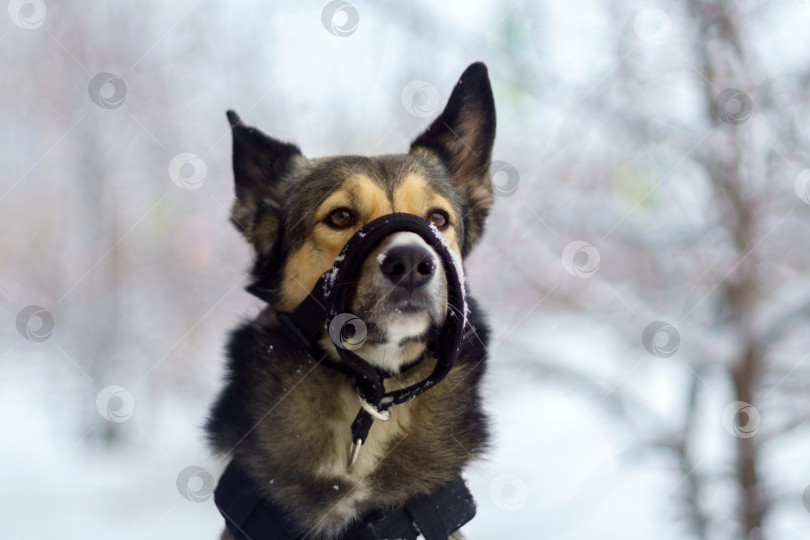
point(284, 417)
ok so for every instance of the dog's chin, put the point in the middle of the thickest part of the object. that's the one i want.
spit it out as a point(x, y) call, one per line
point(399, 332)
point(402, 336)
point(406, 323)
point(409, 318)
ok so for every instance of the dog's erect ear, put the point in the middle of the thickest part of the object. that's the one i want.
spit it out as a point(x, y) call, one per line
point(260, 166)
point(462, 137)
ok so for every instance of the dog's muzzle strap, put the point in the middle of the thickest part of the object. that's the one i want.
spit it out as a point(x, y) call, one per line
point(326, 303)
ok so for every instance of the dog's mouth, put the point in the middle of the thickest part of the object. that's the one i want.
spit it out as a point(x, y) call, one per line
point(401, 302)
point(396, 313)
point(411, 317)
point(409, 307)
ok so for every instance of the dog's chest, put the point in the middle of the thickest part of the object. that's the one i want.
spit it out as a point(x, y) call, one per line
point(332, 406)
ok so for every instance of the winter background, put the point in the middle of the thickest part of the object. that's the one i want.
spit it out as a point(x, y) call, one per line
point(645, 265)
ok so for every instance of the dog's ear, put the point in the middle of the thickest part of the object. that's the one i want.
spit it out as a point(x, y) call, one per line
point(260, 166)
point(462, 137)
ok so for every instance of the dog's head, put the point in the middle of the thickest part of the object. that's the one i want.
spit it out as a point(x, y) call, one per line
point(297, 213)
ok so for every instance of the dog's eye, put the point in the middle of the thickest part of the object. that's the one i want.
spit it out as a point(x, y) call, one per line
point(439, 219)
point(340, 218)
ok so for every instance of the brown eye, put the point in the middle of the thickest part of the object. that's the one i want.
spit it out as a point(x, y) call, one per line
point(439, 219)
point(340, 218)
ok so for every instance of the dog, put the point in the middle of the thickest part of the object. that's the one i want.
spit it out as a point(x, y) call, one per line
point(282, 416)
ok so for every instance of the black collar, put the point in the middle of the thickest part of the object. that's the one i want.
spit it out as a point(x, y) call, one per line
point(249, 516)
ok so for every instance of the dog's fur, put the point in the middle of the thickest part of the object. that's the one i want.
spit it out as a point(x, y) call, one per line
point(284, 417)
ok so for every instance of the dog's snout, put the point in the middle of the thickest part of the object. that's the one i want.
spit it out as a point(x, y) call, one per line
point(409, 267)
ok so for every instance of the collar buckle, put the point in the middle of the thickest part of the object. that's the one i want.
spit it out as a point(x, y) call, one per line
point(377, 414)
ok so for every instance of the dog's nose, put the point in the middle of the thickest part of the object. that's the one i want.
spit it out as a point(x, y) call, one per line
point(408, 267)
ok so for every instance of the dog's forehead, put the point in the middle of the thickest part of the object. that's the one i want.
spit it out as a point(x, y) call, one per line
point(385, 177)
point(387, 172)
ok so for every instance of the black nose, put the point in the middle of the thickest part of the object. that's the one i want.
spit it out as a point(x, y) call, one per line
point(408, 267)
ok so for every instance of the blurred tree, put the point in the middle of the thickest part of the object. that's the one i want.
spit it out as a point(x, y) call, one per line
point(703, 229)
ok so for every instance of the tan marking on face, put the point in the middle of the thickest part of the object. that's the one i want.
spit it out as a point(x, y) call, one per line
point(301, 272)
point(414, 196)
point(366, 200)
